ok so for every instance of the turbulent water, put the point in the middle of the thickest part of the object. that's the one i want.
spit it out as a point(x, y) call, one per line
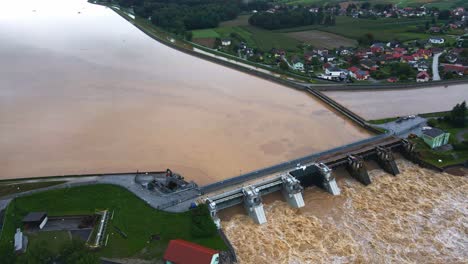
point(420, 216)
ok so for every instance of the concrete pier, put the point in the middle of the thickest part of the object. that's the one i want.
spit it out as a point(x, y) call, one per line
point(214, 213)
point(409, 149)
point(328, 181)
point(292, 191)
point(358, 170)
point(253, 204)
point(386, 160)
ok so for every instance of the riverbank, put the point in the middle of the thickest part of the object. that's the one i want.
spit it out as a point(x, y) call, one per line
point(263, 71)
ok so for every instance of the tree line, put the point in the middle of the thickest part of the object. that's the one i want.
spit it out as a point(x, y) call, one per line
point(179, 16)
point(288, 18)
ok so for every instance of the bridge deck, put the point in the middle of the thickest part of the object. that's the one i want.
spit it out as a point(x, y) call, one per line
point(333, 157)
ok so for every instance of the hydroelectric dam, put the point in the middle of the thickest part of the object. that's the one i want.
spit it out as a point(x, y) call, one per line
point(291, 177)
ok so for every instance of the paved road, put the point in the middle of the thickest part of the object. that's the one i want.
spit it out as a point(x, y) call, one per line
point(435, 67)
point(406, 127)
point(181, 200)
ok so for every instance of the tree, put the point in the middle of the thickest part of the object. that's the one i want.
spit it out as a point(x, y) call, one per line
point(365, 5)
point(36, 254)
point(283, 65)
point(444, 14)
point(458, 115)
point(202, 225)
point(427, 25)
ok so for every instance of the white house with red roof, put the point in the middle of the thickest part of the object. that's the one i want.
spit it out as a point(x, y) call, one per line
point(183, 252)
point(423, 77)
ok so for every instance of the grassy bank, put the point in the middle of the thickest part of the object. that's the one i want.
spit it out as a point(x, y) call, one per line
point(131, 215)
point(7, 188)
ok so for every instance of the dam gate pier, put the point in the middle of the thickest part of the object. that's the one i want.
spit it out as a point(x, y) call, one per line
point(292, 177)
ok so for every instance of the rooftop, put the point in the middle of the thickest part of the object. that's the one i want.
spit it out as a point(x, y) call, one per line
point(34, 216)
point(181, 252)
point(433, 132)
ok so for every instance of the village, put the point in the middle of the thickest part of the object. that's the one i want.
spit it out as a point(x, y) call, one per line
point(440, 55)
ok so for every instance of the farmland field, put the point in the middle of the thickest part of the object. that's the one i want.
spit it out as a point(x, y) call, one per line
point(242, 20)
point(255, 37)
point(383, 29)
point(321, 39)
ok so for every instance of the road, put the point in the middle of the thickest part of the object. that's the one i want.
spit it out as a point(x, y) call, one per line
point(435, 67)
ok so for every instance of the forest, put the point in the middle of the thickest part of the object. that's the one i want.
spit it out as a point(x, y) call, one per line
point(179, 16)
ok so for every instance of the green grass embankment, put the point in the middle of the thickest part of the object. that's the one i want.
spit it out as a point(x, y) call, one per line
point(131, 215)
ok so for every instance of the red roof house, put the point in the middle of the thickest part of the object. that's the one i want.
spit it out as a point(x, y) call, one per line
point(183, 252)
point(422, 77)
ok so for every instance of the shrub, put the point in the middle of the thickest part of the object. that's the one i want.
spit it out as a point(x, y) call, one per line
point(202, 224)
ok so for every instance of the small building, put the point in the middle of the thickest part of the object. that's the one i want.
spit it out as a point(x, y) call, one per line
point(21, 242)
point(435, 137)
point(225, 42)
point(422, 77)
point(183, 252)
point(298, 66)
point(436, 40)
point(392, 80)
point(35, 220)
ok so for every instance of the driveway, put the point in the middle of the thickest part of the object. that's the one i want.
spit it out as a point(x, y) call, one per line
point(435, 67)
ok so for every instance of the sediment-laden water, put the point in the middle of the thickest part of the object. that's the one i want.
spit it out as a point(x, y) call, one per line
point(84, 91)
point(420, 216)
point(400, 102)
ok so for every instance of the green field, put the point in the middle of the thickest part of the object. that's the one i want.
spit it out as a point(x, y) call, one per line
point(255, 37)
point(205, 33)
point(7, 188)
point(133, 216)
point(384, 29)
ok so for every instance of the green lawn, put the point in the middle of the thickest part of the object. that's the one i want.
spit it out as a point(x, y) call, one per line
point(382, 121)
point(7, 188)
point(53, 239)
point(255, 37)
point(383, 29)
point(133, 216)
point(205, 33)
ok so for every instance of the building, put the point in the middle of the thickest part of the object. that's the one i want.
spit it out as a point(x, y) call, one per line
point(225, 42)
point(35, 220)
point(436, 40)
point(435, 137)
point(298, 66)
point(422, 76)
point(358, 74)
point(21, 242)
point(183, 252)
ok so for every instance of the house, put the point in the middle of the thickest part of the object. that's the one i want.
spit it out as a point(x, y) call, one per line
point(334, 71)
point(434, 29)
point(358, 74)
point(377, 47)
point(21, 242)
point(183, 252)
point(298, 66)
point(422, 77)
point(455, 68)
point(369, 65)
point(435, 137)
point(34, 220)
point(392, 80)
point(436, 40)
point(225, 42)
point(421, 66)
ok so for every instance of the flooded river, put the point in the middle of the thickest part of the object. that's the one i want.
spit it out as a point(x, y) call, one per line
point(420, 216)
point(83, 91)
point(392, 103)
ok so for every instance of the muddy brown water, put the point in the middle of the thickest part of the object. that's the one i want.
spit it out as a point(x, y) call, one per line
point(419, 216)
point(401, 102)
point(84, 91)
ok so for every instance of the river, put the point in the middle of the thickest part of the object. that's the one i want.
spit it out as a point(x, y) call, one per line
point(84, 91)
point(401, 102)
point(419, 216)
